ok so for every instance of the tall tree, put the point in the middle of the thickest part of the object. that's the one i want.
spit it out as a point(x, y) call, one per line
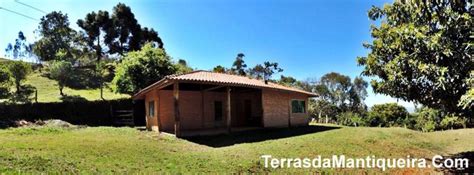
point(125, 34)
point(20, 49)
point(420, 52)
point(55, 35)
point(338, 87)
point(93, 25)
point(239, 66)
point(265, 71)
point(357, 95)
point(288, 81)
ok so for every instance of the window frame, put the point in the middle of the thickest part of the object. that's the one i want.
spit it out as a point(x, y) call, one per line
point(151, 108)
point(303, 107)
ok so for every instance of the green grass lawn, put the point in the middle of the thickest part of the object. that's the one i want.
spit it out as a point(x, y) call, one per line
point(48, 90)
point(128, 150)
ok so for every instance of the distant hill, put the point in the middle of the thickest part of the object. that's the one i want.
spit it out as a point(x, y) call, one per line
point(4, 60)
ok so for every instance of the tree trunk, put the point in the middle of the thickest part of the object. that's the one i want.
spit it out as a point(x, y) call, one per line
point(18, 88)
point(319, 115)
point(61, 91)
point(101, 91)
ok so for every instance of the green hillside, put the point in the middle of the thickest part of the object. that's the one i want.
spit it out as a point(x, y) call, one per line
point(3, 60)
point(48, 90)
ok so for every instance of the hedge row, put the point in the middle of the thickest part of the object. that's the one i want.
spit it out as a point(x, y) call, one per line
point(92, 113)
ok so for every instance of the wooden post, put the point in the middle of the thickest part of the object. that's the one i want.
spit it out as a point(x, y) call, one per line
point(177, 127)
point(228, 111)
point(289, 110)
point(202, 107)
point(158, 110)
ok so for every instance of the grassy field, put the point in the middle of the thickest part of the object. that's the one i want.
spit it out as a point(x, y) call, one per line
point(128, 150)
point(48, 90)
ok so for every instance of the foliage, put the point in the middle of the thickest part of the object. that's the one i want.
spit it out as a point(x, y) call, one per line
point(219, 69)
point(335, 87)
point(142, 68)
point(467, 100)
point(125, 34)
point(387, 115)
point(239, 66)
point(59, 71)
point(338, 90)
point(350, 119)
point(427, 119)
point(19, 70)
point(420, 52)
point(265, 71)
point(452, 121)
point(288, 81)
point(24, 95)
point(357, 95)
point(93, 25)
point(182, 67)
point(55, 35)
point(20, 49)
point(5, 82)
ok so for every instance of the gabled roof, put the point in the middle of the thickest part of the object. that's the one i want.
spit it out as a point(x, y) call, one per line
point(201, 76)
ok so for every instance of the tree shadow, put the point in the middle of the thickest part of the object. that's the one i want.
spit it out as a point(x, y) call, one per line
point(257, 135)
point(72, 98)
point(463, 155)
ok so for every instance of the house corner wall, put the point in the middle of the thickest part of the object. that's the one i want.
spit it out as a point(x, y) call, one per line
point(152, 121)
point(277, 109)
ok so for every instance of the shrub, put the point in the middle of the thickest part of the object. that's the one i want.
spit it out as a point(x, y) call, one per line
point(452, 121)
point(4, 83)
point(350, 119)
point(60, 71)
point(386, 115)
point(19, 70)
point(427, 119)
point(139, 69)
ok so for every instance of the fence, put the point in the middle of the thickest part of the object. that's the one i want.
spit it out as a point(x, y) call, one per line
point(93, 113)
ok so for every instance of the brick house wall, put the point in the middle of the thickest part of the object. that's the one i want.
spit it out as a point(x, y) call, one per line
point(152, 121)
point(273, 106)
point(277, 108)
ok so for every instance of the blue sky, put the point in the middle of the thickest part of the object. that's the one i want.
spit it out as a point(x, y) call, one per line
point(307, 38)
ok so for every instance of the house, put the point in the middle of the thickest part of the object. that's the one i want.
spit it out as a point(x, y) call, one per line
point(191, 103)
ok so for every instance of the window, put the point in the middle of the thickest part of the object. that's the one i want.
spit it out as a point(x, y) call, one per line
point(218, 110)
point(298, 106)
point(151, 108)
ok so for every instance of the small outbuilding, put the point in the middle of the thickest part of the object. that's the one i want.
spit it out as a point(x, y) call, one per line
point(203, 103)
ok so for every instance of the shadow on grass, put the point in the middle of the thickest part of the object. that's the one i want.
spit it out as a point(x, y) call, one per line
point(256, 135)
point(463, 155)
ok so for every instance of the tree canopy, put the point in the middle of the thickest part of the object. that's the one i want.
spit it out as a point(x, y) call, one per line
point(420, 52)
point(20, 49)
point(125, 33)
point(239, 66)
point(55, 34)
point(140, 69)
point(59, 71)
